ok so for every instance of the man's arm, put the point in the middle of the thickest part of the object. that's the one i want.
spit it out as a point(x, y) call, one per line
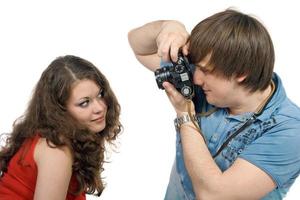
point(242, 180)
point(158, 40)
point(162, 39)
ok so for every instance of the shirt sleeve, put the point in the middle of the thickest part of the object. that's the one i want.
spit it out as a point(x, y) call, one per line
point(277, 152)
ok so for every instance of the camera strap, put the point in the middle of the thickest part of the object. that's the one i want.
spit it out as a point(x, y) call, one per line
point(250, 121)
point(245, 125)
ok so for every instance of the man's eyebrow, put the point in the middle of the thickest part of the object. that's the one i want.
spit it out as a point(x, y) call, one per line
point(201, 66)
point(205, 67)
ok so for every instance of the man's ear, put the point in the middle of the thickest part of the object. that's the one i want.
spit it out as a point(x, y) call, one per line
point(240, 79)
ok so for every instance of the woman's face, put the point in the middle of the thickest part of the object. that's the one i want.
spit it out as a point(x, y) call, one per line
point(86, 104)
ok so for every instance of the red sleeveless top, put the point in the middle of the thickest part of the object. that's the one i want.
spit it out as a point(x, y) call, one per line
point(19, 181)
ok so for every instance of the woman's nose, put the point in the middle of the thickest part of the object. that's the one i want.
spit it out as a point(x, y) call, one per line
point(98, 106)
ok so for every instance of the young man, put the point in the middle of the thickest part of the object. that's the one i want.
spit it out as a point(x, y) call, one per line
point(239, 137)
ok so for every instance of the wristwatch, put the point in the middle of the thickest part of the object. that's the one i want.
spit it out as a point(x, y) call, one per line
point(183, 119)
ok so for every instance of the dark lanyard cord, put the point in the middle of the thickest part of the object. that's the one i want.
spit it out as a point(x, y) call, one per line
point(245, 125)
point(250, 121)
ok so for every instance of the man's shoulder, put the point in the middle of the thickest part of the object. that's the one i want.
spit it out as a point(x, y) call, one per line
point(288, 110)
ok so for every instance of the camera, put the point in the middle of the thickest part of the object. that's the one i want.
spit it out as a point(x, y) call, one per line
point(179, 74)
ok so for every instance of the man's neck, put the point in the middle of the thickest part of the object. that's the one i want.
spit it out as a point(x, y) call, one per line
point(252, 102)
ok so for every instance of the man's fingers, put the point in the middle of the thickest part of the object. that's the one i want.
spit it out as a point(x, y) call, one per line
point(174, 53)
point(164, 50)
point(168, 87)
point(185, 49)
point(177, 100)
point(169, 45)
point(171, 90)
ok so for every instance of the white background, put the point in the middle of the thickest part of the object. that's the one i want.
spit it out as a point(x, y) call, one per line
point(33, 33)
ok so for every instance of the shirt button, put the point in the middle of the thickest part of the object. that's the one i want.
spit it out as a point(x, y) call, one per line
point(215, 136)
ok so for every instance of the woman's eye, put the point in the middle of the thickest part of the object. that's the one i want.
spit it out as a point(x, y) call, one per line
point(84, 104)
point(101, 94)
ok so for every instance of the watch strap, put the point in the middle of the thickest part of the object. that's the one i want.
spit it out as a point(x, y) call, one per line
point(183, 119)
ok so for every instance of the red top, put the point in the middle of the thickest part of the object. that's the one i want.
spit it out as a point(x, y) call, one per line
point(19, 181)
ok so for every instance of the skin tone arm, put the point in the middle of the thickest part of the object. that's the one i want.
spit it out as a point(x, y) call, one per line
point(54, 171)
point(209, 182)
point(153, 42)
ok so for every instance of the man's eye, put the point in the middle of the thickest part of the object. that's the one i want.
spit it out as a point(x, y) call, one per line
point(203, 70)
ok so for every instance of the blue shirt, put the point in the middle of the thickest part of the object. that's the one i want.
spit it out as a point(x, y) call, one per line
point(271, 143)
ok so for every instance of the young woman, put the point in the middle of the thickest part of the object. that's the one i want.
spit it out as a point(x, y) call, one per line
point(56, 150)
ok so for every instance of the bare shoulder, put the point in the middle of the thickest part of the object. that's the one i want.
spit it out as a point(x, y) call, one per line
point(45, 153)
point(54, 170)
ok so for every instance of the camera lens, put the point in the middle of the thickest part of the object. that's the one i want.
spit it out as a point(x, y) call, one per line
point(164, 76)
point(161, 75)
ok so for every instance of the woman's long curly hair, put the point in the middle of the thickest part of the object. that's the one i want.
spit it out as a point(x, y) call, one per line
point(47, 116)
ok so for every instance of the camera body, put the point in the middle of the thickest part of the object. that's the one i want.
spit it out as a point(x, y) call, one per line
point(179, 74)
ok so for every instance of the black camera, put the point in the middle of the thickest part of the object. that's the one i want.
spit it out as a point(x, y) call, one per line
point(179, 74)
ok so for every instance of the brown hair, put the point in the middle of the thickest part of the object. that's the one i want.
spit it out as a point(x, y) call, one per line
point(47, 115)
point(239, 45)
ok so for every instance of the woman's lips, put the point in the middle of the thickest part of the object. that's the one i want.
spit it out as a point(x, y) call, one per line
point(98, 120)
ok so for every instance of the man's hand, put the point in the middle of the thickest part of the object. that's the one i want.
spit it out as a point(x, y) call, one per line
point(170, 39)
point(180, 104)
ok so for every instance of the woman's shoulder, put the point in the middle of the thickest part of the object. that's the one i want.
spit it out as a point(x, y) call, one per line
point(54, 165)
point(46, 151)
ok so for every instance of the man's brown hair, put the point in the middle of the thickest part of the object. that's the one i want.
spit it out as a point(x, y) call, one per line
point(239, 46)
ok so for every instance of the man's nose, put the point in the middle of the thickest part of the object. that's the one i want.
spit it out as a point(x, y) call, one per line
point(198, 77)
